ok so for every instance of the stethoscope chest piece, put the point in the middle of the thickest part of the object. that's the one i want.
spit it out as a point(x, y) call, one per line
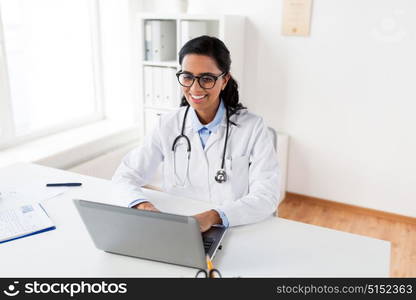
point(221, 176)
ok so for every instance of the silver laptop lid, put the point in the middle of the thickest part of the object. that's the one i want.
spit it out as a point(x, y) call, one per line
point(151, 235)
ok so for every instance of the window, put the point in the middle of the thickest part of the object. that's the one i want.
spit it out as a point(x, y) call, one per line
point(49, 67)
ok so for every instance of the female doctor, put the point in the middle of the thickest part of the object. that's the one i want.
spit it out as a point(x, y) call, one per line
point(212, 148)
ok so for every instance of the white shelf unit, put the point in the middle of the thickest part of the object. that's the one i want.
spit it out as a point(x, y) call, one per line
point(158, 89)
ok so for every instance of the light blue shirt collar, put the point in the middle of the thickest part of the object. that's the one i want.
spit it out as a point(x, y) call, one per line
point(213, 125)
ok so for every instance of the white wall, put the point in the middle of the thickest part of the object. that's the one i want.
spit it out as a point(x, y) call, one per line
point(346, 96)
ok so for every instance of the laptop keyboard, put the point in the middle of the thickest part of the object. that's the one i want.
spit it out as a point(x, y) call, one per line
point(207, 243)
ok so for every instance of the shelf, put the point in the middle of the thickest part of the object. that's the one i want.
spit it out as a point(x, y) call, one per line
point(175, 16)
point(160, 108)
point(170, 64)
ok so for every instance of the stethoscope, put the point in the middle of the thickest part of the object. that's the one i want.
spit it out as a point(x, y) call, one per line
point(221, 175)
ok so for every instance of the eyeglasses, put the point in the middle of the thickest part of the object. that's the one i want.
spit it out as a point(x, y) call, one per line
point(205, 81)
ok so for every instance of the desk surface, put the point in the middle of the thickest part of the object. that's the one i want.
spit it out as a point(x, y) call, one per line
point(272, 248)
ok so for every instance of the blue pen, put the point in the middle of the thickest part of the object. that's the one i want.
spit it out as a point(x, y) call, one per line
point(64, 184)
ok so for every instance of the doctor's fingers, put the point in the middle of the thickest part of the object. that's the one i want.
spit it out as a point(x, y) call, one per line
point(147, 206)
point(204, 223)
point(203, 227)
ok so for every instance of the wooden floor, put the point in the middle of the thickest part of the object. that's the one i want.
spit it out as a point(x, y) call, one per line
point(401, 234)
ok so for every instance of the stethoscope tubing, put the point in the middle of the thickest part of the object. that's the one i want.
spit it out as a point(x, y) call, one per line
point(221, 175)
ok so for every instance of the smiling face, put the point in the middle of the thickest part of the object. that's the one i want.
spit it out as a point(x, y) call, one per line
point(204, 101)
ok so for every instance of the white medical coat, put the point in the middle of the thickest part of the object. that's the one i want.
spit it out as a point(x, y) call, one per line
point(251, 192)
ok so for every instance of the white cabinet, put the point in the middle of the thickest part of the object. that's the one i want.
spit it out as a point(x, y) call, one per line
point(151, 119)
point(160, 37)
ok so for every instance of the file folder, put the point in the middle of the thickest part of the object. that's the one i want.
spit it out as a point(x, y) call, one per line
point(162, 40)
point(148, 50)
point(23, 221)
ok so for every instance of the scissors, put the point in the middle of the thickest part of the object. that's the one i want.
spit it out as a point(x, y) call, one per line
point(210, 273)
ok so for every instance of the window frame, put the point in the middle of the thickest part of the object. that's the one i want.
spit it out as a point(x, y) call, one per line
point(8, 137)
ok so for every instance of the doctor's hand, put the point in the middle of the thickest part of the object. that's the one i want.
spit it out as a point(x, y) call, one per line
point(146, 206)
point(207, 219)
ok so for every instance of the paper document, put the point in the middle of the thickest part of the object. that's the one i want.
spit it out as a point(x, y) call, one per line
point(23, 221)
point(35, 192)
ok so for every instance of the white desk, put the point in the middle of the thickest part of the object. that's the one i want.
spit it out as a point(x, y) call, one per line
point(273, 248)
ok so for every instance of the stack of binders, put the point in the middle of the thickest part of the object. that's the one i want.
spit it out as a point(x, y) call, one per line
point(160, 87)
point(160, 40)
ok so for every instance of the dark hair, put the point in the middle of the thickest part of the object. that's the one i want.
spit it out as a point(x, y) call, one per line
point(215, 48)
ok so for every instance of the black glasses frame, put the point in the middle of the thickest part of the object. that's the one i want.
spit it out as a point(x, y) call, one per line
point(199, 78)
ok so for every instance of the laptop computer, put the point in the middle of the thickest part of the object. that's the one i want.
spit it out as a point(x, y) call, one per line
point(158, 236)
